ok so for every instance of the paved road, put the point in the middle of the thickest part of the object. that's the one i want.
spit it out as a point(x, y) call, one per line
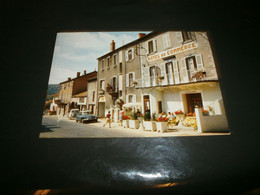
point(65, 128)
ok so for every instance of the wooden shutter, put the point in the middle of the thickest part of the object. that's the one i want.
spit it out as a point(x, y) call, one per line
point(147, 48)
point(133, 76)
point(163, 73)
point(133, 53)
point(134, 98)
point(126, 99)
point(126, 55)
point(199, 62)
point(127, 80)
point(179, 36)
point(154, 45)
point(146, 77)
point(176, 72)
point(120, 57)
point(120, 83)
point(184, 71)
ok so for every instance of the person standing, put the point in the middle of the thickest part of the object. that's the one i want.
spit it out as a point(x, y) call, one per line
point(121, 114)
point(108, 120)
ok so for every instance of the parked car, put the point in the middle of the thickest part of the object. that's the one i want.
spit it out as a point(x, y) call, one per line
point(73, 113)
point(86, 117)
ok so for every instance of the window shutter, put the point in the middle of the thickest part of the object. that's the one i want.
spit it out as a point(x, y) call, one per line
point(120, 57)
point(133, 76)
point(134, 98)
point(184, 71)
point(116, 83)
point(146, 77)
point(126, 55)
point(133, 53)
point(120, 82)
point(146, 48)
point(126, 99)
point(176, 72)
point(199, 62)
point(163, 73)
point(179, 36)
point(127, 80)
point(154, 45)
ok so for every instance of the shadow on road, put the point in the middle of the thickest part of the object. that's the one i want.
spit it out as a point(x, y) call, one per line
point(45, 129)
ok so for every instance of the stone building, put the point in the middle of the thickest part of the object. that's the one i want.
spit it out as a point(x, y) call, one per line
point(73, 90)
point(117, 72)
point(178, 73)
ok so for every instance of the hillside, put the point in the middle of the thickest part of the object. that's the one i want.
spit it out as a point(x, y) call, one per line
point(53, 88)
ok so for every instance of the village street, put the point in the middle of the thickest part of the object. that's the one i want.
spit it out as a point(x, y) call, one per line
point(52, 127)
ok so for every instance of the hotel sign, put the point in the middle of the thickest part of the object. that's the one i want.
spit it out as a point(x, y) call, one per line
point(173, 51)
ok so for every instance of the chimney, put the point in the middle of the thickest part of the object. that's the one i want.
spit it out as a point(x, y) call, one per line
point(78, 74)
point(69, 78)
point(85, 72)
point(140, 35)
point(112, 45)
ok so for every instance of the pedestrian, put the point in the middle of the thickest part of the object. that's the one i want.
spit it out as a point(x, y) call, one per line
point(108, 120)
point(121, 114)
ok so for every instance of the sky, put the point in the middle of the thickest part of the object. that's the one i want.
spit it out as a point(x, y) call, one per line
point(78, 51)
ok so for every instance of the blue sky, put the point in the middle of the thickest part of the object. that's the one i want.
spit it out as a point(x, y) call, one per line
point(76, 52)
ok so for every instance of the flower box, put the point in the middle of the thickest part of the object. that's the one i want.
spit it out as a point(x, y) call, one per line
point(149, 125)
point(133, 124)
point(126, 123)
point(161, 126)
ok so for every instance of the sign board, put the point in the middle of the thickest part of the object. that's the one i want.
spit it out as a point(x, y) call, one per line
point(173, 51)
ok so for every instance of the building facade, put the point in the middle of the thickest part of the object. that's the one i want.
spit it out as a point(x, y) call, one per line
point(178, 73)
point(73, 92)
point(117, 72)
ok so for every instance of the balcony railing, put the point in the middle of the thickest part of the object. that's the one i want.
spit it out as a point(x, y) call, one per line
point(190, 76)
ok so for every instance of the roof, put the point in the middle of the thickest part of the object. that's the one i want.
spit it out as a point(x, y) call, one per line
point(79, 77)
point(82, 94)
point(152, 34)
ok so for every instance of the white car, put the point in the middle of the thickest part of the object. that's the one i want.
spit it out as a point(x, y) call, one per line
point(73, 113)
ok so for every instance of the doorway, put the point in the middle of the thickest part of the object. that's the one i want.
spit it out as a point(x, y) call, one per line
point(101, 109)
point(193, 100)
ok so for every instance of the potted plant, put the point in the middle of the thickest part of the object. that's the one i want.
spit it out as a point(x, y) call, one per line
point(125, 119)
point(205, 112)
point(180, 116)
point(161, 124)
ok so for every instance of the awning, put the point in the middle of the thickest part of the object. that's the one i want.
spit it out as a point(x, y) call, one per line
point(132, 104)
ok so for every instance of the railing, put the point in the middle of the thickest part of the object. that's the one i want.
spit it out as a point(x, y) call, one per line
point(190, 76)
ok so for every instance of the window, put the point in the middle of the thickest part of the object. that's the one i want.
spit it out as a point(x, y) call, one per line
point(120, 67)
point(151, 46)
point(166, 41)
point(114, 59)
point(114, 84)
point(186, 35)
point(129, 54)
point(131, 78)
point(120, 93)
point(102, 84)
point(93, 96)
point(102, 64)
point(130, 98)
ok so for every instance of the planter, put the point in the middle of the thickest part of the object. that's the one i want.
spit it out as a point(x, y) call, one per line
point(126, 123)
point(149, 125)
point(161, 126)
point(133, 124)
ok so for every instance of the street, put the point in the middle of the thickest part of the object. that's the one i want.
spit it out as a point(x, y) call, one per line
point(65, 128)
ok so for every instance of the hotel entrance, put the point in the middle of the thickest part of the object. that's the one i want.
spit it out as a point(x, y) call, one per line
point(193, 100)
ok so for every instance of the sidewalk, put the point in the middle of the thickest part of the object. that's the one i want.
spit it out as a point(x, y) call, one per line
point(172, 132)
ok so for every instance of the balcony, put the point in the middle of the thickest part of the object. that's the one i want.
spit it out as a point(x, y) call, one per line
point(191, 76)
point(112, 90)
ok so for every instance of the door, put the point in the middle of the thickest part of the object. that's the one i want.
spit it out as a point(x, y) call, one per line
point(176, 72)
point(193, 100)
point(147, 108)
point(191, 66)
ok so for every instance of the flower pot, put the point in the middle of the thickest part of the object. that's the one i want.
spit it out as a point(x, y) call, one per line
point(161, 126)
point(149, 125)
point(133, 124)
point(126, 123)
